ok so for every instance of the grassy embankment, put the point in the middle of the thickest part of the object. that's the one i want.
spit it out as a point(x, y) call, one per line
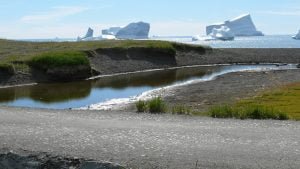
point(22, 55)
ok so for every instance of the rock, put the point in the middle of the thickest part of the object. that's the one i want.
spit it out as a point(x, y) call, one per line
point(240, 26)
point(139, 30)
point(44, 161)
point(97, 165)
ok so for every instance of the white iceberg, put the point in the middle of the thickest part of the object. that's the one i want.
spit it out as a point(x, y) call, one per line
point(139, 30)
point(240, 26)
point(297, 37)
point(107, 37)
point(111, 31)
point(223, 33)
point(89, 35)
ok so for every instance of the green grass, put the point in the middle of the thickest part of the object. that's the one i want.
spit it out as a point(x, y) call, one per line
point(247, 112)
point(157, 105)
point(181, 109)
point(141, 106)
point(285, 99)
point(58, 59)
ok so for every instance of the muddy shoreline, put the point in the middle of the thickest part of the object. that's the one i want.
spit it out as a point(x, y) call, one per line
point(112, 63)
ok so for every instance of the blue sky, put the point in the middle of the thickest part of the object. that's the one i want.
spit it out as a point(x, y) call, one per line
point(70, 18)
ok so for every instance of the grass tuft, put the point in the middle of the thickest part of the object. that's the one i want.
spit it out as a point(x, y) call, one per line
point(141, 106)
point(157, 105)
point(58, 59)
point(154, 106)
point(181, 109)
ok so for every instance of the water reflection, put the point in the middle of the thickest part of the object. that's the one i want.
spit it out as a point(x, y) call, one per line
point(92, 91)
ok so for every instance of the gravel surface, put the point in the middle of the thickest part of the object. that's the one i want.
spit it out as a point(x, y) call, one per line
point(153, 141)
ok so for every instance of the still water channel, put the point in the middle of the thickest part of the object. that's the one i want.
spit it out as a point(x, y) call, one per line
point(95, 93)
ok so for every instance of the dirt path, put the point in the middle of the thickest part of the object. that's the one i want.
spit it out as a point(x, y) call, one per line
point(153, 141)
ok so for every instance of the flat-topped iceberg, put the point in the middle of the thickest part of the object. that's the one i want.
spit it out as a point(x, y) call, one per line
point(240, 26)
point(297, 36)
point(223, 33)
point(139, 30)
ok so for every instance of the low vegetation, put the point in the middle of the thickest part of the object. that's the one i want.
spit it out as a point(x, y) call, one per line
point(181, 109)
point(285, 99)
point(58, 59)
point(141, 106)
point(157, 105)
point(247, 112)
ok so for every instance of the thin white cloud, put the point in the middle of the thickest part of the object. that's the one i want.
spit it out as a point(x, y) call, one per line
point(294, 12)
point(54, 13)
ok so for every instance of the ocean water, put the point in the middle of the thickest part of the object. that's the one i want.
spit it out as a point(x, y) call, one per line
point(269, 41)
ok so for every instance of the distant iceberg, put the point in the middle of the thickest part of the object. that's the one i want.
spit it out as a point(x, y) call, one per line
point(240, 26)
point(297, 37)
point(111, 31)
point(139, 30)
point(88, 36)
point(107, 37)
point(223, 33)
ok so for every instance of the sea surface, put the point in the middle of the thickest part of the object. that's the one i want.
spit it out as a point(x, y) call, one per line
point(269, 41)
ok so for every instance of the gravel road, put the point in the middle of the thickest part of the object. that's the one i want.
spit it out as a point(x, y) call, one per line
point(153, 141)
